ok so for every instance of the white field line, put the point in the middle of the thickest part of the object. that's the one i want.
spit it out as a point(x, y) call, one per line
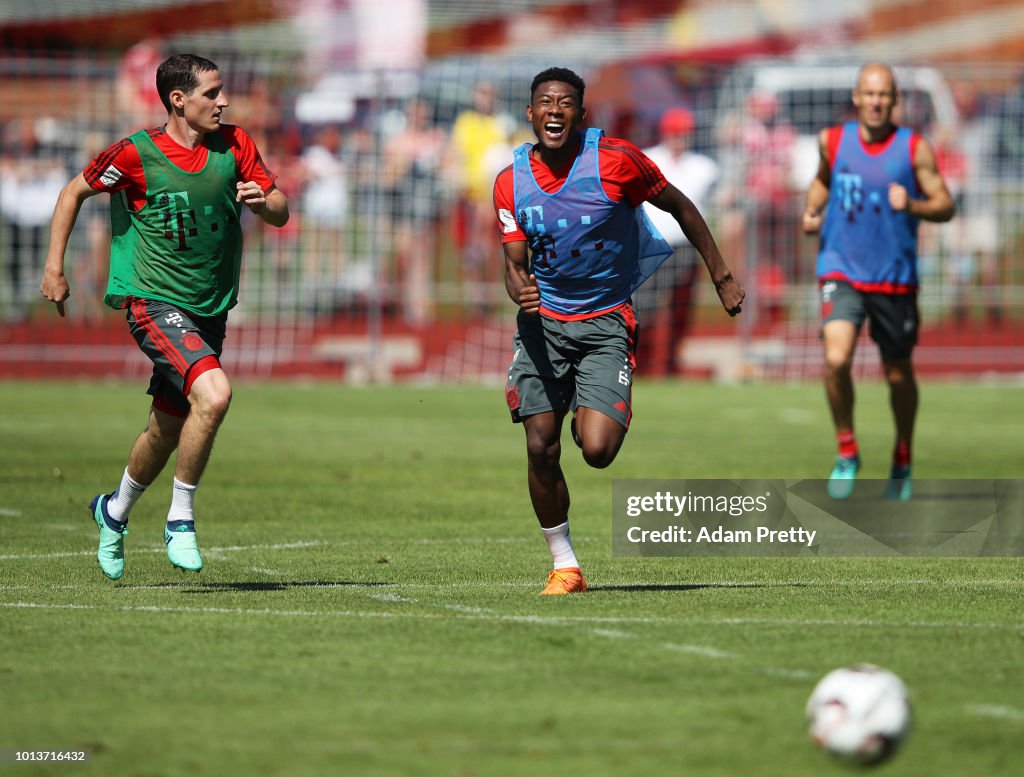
point(1014, 582)
point(700, 650)
point(997, 711)
point(707, 651)
point(214, 550)
point(459, 614)
point(280, 546)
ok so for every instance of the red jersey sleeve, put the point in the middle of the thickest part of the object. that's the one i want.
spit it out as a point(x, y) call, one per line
point(505, 207)
point(250, 164)
point(116, 167)
point(832, 137)
point(627, 172)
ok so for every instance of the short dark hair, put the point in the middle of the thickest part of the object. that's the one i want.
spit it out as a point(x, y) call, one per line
point(180, 71)
point(562, 74)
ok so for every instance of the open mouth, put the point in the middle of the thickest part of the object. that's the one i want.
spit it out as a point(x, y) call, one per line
point(554, 129)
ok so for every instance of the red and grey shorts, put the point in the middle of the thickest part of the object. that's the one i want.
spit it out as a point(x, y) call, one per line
point(592, 359)
point(181, 345)
point(893, 318)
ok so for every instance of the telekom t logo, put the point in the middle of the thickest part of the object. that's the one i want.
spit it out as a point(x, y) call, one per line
point(532, 217)
point(851, 192)
point(179, 219)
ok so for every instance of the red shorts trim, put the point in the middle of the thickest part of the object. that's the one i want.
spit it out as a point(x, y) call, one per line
point(871, 287)
point(205, 364)
point(164, 405)
point(580, 316)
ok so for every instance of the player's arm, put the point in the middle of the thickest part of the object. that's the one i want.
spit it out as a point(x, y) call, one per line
point(817, 192)
point(54, 285)
point(937, 203)
point(256, 188)
point(519, 283)
point(673, 201)
point(271, 206)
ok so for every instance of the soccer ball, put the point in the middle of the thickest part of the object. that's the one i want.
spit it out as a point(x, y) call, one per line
point(860, 713)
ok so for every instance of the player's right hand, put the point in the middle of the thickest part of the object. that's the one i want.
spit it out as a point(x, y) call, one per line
point(529, 296)
point(811, 221)
point(55, 288)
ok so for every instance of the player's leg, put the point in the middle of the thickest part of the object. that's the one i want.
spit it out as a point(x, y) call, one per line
point(209, 398)
point(894, 325)
point(539, 392)
point(903, 399)
point(149, 455)
point(190, 385)
point(601, 436)
point(209, 395)
point(839, 339)
point(843, 314)
point(604, 384)
point(549, 495)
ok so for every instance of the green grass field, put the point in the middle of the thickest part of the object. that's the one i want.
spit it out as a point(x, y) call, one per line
point(369, 601)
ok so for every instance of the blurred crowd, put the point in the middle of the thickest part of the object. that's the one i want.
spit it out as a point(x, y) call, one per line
point(395, 211)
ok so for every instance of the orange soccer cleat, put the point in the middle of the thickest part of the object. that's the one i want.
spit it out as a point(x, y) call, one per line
point(565, 581)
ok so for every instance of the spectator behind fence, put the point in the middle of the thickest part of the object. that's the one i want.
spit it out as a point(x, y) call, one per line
point(664, 302)
point(325, 213)
point(412, 179)
point(963, 155)
point(477, 132)
point(137, 97)
point(31, 176)
point(761, 224)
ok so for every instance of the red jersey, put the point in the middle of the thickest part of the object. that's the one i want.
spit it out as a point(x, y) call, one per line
point(120, 167)
point(626, 174)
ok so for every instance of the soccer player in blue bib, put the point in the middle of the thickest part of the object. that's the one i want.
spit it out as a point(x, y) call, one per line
point(875, 183)
point(577, 244)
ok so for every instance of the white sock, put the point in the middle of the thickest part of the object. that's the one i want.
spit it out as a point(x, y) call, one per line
point(182, 498)
point(121, 501)
point(560, 545)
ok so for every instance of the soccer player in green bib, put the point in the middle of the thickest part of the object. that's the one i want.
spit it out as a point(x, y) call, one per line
point(176, 197)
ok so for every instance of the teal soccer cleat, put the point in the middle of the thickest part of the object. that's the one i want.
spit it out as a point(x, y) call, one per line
point(844, 473)
point(898, 486)
point(182, 548)
point(111, 549)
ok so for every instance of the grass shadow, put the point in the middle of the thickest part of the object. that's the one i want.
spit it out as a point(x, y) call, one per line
point(690, 586)
point(199, 587)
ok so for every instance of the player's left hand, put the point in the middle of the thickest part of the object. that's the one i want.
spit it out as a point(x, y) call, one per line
point(731, 294)
point(250, 193)
point(55, 288)
point(898, 197)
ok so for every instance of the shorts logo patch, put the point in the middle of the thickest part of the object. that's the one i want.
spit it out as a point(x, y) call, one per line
point(512, 398)
point(192, 341)
point(620, 406)
point(827, 290)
